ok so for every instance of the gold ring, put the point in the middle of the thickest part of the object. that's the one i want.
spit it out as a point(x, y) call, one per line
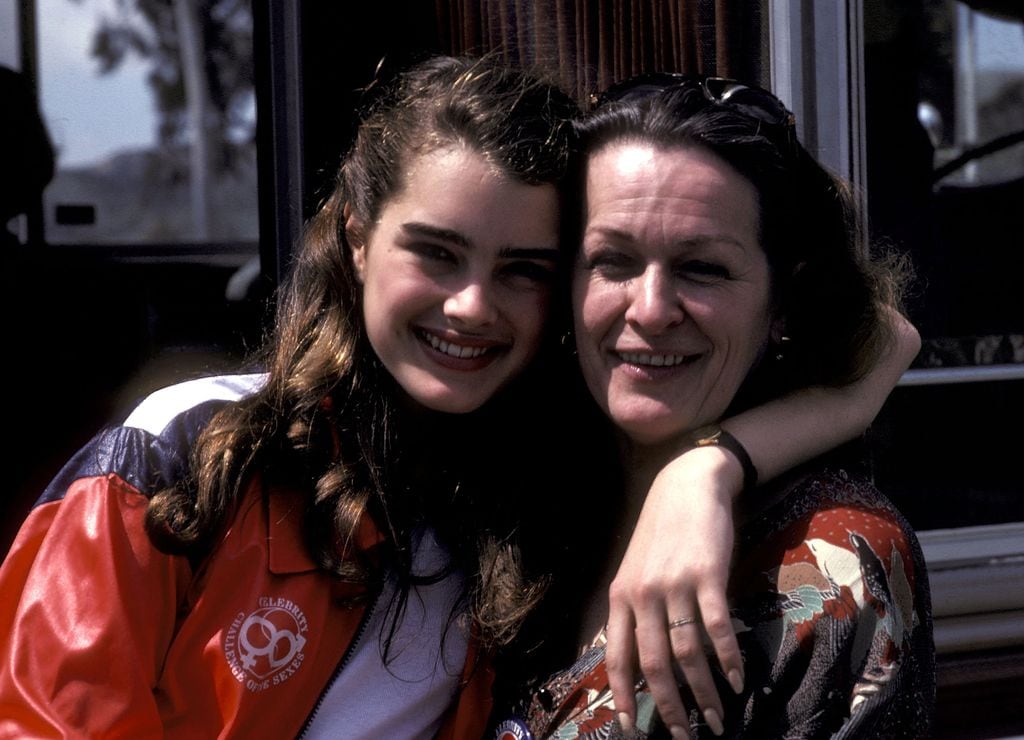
point(681, 621)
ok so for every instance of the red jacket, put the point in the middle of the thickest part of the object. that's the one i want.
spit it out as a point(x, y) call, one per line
point(102, 634)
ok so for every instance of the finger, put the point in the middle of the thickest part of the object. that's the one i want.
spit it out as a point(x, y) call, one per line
point(688, 651)
point(714, 611)
point(618, 658)
point(657, 665)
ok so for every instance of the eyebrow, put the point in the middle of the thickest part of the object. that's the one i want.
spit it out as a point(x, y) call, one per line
point(551, 254)
point(436, 232)
point(701, 240)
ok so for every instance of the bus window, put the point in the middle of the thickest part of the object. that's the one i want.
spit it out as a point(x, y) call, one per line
point(151, 110)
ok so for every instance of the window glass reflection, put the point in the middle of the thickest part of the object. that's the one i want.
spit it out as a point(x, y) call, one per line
point(151, 110)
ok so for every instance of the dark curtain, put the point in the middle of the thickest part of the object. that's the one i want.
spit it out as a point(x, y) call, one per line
point(591, 44)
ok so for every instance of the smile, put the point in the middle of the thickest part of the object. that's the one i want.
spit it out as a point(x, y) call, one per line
point(458, 351)
point(654, 360)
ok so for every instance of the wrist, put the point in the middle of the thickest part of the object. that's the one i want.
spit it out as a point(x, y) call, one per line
point(713, 435)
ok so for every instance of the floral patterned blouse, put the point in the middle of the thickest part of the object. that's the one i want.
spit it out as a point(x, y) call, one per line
point(831, 607)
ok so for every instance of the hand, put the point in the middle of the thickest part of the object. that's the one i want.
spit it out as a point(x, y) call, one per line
point(677, 566)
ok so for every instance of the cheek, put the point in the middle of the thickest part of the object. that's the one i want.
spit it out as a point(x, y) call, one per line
point(592, 321)
point(388, 305)
point(752, 334)
point(580, 293)
point(531, 313)
point(594, 309)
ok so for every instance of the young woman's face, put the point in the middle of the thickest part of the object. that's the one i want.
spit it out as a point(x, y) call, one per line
point(457, 275)
point(671, 290)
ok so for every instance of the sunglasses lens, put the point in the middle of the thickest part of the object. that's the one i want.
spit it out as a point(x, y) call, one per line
point(753, 102)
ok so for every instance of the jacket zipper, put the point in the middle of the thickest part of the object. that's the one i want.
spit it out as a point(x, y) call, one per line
point(352, 646)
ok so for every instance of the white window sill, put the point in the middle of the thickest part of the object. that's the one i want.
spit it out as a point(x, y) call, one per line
point(977, 582)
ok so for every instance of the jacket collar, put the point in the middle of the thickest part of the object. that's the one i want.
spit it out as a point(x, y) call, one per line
point(286, 549)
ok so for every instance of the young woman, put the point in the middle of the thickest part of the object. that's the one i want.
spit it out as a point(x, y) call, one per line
point(272, 554)
point(709, 234)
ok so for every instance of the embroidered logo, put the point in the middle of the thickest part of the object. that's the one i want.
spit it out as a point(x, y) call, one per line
point(264, 647)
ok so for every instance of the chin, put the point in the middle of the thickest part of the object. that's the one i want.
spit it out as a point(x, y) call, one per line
point(449, 405)
point(648, 431)
point(439, 398)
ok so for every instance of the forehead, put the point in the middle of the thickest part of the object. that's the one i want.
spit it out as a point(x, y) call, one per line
point(643, 186)
point(458, 188)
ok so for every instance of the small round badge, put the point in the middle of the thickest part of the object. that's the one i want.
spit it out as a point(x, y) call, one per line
point(513, 728)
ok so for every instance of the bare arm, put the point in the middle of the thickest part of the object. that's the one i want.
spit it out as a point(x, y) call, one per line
point(677, 562)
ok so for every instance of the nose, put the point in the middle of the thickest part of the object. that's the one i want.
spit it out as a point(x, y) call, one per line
point(471, 305)
point(654, 304)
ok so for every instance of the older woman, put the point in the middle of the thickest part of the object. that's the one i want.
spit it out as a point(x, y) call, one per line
point(720, 267)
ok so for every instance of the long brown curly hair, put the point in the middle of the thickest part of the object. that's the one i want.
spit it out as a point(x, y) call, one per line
point(327, 421)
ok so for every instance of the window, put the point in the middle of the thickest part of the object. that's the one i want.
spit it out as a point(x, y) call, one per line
point(150, 107)
point(944, 113)
point(123, 274)
point(9, 52)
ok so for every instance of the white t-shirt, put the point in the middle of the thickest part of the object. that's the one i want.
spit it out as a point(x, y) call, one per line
point(407, 697)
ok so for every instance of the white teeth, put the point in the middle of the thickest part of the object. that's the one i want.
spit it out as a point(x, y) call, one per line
point(643, 358)
point(453, 350)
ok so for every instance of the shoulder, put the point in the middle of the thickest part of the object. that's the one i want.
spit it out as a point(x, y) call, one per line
point(161, 409)
point(831, 577)
point(149, 449)
point(847, 511)
point(828, 503)
point(834, 537)
point(834, 541)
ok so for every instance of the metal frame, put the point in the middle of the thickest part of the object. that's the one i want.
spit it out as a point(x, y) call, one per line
point(816, 56)
point(277, 34)
point(28, 41)
point(817, 66)
point(957, 375)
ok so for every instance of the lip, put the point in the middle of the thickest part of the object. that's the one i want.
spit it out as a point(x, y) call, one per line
point(457, 351)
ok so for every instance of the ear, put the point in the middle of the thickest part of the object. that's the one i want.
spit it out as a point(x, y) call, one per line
point(777, 331)
point(354, 236)
point(778, 325)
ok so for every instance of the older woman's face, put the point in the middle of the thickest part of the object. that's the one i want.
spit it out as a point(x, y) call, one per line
point(671, 289)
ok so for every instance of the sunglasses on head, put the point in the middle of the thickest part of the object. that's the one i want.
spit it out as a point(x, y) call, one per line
point(748, 100)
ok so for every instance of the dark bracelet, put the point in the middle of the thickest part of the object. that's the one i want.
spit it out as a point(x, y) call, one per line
point(713, 435)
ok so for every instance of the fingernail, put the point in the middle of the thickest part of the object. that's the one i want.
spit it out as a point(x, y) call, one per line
point(736, 680)
point(714, 721)
point(625, 722)
point(678, 733)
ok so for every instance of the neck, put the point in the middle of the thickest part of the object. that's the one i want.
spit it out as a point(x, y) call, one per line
point(641, 463)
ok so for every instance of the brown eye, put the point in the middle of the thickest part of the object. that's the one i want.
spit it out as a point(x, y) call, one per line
point(434, 252)
point(702, 271)
point(534, 271)
point(611, 263)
